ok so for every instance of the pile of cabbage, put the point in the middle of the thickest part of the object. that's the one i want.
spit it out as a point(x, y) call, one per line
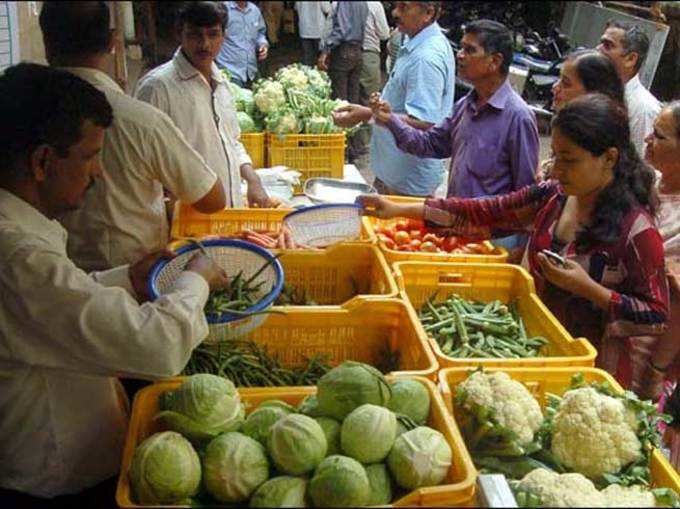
point(296, 100)
point(358, 441)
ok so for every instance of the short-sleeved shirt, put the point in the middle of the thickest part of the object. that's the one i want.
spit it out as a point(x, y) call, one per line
point(246, 34)
point(421, 84)
point(206, 117)
point(643, 108)
point(123, 217)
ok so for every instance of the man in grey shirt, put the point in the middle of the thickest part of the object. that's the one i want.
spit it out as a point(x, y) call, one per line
point(341, 53)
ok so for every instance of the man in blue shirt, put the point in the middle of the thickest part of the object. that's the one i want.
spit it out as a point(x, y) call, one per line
point(245, 42)
point(420, 89)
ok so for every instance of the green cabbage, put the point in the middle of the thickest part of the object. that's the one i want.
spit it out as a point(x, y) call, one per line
point(279, 404)
point(350, 385)
point(339, 481)
point(368, 433)
point(258, 424)
point(405, 424)
point(283, 491)
point(331, 429)
point(165, 469)
point(245, 123)
point(243, 100)
point(410, 398)
point(296, 444)
point(202, 407)
point(380, 484)
point(420, 457)
point(234, 466)
point(310, 406)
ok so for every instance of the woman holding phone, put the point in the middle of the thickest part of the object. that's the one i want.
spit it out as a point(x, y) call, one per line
point(598, 214)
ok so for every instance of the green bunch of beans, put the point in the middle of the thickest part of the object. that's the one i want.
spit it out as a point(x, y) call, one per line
point(239, 296)
point(466, 329)
point(247, 364)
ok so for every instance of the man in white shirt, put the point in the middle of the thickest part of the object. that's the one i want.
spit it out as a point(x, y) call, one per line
point(124, 216)
point(195, 94)
point(311, 21)
point(65, 335)
point(627, 46)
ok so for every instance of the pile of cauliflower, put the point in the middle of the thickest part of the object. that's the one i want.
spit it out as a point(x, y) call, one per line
point(588, 433)
point(296, 100)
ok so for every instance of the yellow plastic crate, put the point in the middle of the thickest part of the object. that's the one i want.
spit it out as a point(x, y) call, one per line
point(188, 222)
point(460, 481)
point(486, 282)
point(556, 380)
point(313, 155)
point(361, 330)
point(339, 274)
point(254, 143)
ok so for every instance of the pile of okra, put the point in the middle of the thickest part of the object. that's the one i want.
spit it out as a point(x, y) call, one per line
point(466, 329)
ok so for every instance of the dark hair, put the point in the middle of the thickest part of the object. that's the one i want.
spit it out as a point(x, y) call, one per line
point(494, 37)
point(596, 123)
point(436, 5)
point(598, 73)
point(75, 28)
point(634, 40)
point(202, 14)
point(40, 104)
point(675, 111)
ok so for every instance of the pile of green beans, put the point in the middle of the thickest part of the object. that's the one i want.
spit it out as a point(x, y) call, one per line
point(239, 296)
point(247, 364)
point(466, 329)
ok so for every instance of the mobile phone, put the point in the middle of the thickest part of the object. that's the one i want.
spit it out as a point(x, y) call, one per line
point(554, 257)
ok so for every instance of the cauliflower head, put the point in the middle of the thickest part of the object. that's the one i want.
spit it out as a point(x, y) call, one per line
point(594, 434)
point(292, 76)
point(269, 96)
point(514, 406)
point(562, 490)
point(631, 496)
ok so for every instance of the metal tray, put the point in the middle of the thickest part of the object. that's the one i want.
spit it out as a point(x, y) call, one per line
point(327, 190)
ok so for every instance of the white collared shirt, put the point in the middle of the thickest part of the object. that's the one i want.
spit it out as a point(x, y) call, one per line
point(64, 337)
point(207, 117)
point(123, 217)
point(377, 28)
point(312, 18)
point(643, 108)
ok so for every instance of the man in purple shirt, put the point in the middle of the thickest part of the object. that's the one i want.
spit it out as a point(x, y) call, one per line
point(491, 136)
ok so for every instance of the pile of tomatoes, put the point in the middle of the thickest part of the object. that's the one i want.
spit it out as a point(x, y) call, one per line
point(411, 235)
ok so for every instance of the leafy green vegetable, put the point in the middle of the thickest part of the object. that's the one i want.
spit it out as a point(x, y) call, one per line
point(410, 398)
point(283, 491)
point(368, 433)
point(339, 481)
point(420, 457)
point(296, 444)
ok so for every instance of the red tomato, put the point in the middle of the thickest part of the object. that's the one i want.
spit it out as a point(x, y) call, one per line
point(416, 234)
point(401, 238)
point(450, 243)
point(416, 224)
point(415, 244)
point(402, 225)
point(389, 244)
point(387, 230)
point(428, 247)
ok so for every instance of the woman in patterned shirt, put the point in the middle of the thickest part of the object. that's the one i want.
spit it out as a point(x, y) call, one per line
point(598, 214)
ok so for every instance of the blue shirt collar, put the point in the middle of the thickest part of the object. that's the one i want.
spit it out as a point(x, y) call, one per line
point(422, 36)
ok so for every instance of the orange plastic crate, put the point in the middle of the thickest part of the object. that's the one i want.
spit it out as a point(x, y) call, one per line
point(313, 155)
point(418, 281)
point(188, 222)
point(541, 381)
point(254, 143)
point(460, 483)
